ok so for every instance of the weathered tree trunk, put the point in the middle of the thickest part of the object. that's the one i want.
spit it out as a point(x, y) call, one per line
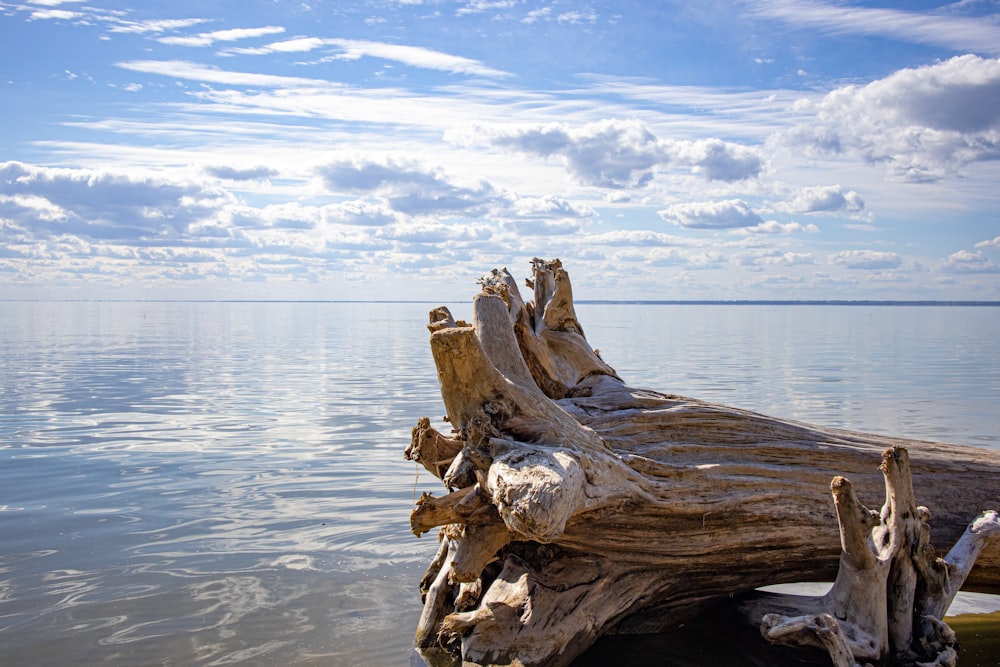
point(581, 506)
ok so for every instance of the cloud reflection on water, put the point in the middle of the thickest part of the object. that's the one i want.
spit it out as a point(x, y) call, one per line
point(211, 483)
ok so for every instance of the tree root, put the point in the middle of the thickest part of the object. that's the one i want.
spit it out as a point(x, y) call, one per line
point(579, 506)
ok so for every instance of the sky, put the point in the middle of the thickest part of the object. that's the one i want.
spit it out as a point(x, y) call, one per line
point(400, 149)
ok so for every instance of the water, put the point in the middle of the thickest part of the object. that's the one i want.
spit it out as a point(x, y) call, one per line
point(223, 483)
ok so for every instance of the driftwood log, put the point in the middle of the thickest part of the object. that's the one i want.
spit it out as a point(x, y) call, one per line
point(579, 506)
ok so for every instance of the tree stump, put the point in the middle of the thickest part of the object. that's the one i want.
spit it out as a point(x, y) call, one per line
point(579, 506)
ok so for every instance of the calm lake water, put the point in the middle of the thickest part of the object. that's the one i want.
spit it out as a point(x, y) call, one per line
point(223, 483)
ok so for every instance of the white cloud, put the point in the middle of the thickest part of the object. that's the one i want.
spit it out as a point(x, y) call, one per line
point(866, 259)
point(409, 187)
point(241, 173)
point(354, 49)
point(549, 207)
point(717, 160)
point(537, 15)
point(154, 26)
point(183, 69)
point(773, 227)
point(479, 6)
point(615, 153)
point(295, 45)
point(686, 258)
point(577, 17)
point(637, 238)
point(923, 124)
point(933, 28)
point(209, 38)
point(991, 243)
point(359, 212)
point(823, 199)
point(534, 227)
point(415, 189)
point(415, 56)
point(761, 258)
point(54, 14)
point(105, 206)
point(965, 261)
point(727, 214)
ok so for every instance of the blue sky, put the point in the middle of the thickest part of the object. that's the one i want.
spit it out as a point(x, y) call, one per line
point(398, 149)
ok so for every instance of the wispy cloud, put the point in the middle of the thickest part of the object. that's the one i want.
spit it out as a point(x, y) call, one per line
point(54, 14)
point(154, 26)
point(934, 28)
point(210, 38)
point(192, 71)
point(354, 49)
point(299, 149)
point(479, 6)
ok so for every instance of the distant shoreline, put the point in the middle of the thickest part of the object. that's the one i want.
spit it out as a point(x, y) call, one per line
point(589, 302)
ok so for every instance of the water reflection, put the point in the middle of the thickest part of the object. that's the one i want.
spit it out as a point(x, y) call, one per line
point(199, 484)
point(208, 483)
point(918, 371)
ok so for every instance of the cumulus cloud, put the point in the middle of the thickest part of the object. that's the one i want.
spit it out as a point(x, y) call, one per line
point(543, 226)
point(717, 160)
point(611, 153)
point(823, 199)
point(991, 243)
point(415, 189)
point(103, 205)
point(360, 213)
point(866, 259)
point(432, 232)
point(548, 207)
point(759, 259)
point(923, 124)
point(294, 215)
point(727, 214)
point(773, 227)
point(616, 153)
point(409, 187)
point(965, 261)
point(685, 257)
point(153, 226)
point(635, 237)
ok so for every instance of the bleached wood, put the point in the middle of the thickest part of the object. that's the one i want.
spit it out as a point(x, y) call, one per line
point(594, 507)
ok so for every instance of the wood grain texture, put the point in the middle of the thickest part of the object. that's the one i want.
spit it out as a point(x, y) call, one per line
point(583, 506)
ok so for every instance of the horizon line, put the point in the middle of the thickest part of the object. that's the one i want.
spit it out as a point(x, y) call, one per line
point(621, 302)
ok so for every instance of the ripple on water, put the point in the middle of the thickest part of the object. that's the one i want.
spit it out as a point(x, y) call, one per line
point(206, 484)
